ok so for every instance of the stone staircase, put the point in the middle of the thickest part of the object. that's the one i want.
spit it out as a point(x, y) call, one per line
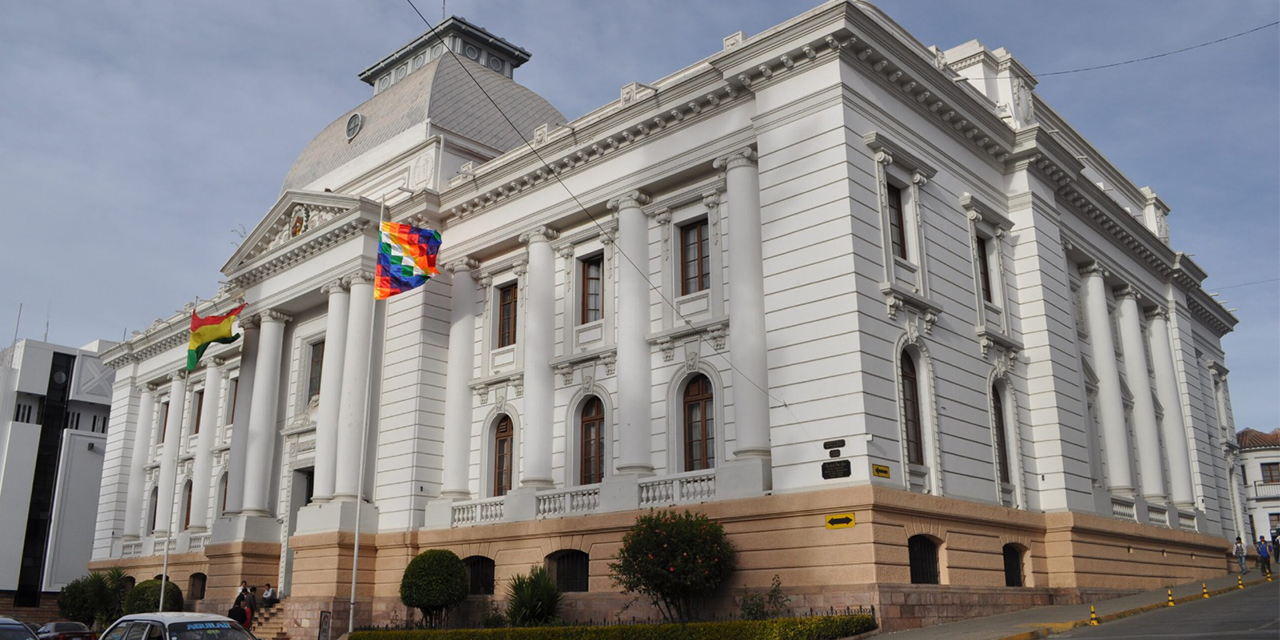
point(269, 623)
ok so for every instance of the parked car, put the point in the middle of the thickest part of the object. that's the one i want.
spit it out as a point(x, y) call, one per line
point(65, 630)
point(11, 629)
point(175, 626)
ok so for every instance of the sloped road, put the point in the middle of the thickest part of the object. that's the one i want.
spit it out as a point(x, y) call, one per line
point(1251, 614)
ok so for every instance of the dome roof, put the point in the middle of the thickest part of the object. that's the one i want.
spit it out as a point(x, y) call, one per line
point(441, 90)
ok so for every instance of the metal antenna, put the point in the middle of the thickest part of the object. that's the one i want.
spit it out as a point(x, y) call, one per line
point(17, 324)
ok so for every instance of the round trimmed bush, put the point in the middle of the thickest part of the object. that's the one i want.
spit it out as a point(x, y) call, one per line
point(434, 582)
point(145, 598)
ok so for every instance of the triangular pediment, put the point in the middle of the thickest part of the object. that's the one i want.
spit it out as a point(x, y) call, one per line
point(296, 216)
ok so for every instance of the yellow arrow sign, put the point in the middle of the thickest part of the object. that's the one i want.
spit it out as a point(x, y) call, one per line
point(839, 521)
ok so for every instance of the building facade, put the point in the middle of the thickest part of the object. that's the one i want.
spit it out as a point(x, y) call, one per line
point(1259, 457)
point(825, 270)
point(54, 402)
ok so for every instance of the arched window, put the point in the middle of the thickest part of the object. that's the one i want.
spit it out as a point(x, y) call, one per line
point(186, 505)
point(922, 552)
point(699, 425)
point(591, 453)
point(1002, 443)
point(503, 451)
point(479, 575)
point(570, 568)
point(911, 411)
point(222, 493)
point(152, 508)
point(1012, 565)
point(195, 586)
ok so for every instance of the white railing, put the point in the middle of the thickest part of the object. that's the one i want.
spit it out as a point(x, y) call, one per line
point(131, 549)
point(695, 486)
point(1266, 489)
point(478, 511)
point(157, 545)
point(1122, 509)
point(566, 501)
point(1158, 516)
point(1187, 521)
point(199, 541)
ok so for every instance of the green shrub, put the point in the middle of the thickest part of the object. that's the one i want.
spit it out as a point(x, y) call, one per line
point(493, 617)
point(762, 606)
point(816, 628)
point(97, 598)
point(533, 599)
point(674, 559)
point(434, 582)
point(145, 598)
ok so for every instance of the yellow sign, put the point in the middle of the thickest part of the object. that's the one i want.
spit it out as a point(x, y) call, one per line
point(880, 470)
point(839, 521)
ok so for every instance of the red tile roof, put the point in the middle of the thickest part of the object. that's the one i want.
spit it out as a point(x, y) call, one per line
point(1254, 439)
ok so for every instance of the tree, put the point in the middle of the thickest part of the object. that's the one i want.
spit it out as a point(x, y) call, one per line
point(95, 599)
point(675, 559)
point(145, 598)
point(534, 599)
point(434, 582)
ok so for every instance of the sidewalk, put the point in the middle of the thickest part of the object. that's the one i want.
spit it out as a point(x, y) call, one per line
point(1042, 621)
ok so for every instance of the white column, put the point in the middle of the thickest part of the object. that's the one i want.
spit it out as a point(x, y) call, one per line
point(353, 410)
point(457, 402)
point(1146, 430)
point(1175, 428)
point(537, 341)
point(635, 377)
point(261, 440)
point(1110, 402)
point(202, 465)
point(169, 454)
point(746, 305)
point(135, 498)
point(335, 346)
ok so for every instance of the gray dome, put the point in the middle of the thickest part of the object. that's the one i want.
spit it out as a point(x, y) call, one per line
point(440, 90)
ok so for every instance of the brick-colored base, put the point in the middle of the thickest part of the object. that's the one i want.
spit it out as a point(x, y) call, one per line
point(1069, 558)
point(46, 612)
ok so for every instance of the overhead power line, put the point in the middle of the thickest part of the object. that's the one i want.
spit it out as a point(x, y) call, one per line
point(1158, 55)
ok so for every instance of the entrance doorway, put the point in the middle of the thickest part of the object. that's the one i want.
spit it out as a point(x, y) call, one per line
point(303, 486)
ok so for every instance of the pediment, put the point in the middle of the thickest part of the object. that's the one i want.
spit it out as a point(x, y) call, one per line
point(296, 217)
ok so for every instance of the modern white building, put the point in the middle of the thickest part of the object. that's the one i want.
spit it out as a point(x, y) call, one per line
point(54, 405)
point(1259, 457)
point(827, 269)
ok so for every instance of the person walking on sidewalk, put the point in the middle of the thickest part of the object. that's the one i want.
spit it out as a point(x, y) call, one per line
point(1240, 554)
point(1264, 555)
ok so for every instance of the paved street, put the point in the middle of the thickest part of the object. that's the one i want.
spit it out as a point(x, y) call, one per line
point(1246, 615)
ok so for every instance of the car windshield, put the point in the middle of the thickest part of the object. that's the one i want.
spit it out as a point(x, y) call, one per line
point(67, 626)
point(15, 633)
point(206, 630)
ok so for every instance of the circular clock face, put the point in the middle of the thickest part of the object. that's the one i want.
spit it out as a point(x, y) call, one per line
point(353, 125)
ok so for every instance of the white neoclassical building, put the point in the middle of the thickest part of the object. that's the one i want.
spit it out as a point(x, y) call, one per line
point(826, 270)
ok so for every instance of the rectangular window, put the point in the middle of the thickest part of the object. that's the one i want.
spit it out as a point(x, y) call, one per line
point(1274, 519)
point(199, 403)
point(592, 289)
point(235, 395)
point(508, 296)
point(984, 268)
point(164, 422)
point(317, 363)
point(897, 228)
point(695, 258)
point(1271, 472)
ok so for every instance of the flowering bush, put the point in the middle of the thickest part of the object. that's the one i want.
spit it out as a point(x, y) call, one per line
point(674, 559)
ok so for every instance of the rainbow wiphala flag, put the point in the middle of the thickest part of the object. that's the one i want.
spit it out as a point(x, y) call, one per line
point(406, 259)
point(208, 330)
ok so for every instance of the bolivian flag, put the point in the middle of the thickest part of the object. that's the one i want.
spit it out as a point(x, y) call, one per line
point(208, 330)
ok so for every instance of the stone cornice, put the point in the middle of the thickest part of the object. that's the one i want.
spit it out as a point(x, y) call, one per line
point(976, 209)
point(889, 152)
point(165, 334)
point(1213, 316)
point(1036, 150)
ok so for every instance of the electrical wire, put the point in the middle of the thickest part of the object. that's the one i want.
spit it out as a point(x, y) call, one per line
point(593, 219)
point(1245, 284)
point(1158, 55)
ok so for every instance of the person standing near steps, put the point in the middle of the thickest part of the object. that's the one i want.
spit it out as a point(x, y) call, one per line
point(1264, 555)
point(1240, 554)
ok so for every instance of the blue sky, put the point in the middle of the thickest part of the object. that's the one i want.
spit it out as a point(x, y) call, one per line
point(134, 137)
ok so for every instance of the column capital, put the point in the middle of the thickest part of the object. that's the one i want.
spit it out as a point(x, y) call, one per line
point(332, 287)
point(1094, 268)
point(462, 264)
point(1126, 292)
point(565, 252)
point(520, 268)
point(744, 157)
point(217, 362)
point(178, 375)
point(539, 234)
point(271, 315)
point(149, 387)
point(662, 215)
point(359, 277)
point(1154, 313)
point(628, 200)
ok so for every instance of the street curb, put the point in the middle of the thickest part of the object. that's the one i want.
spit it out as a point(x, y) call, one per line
point(1047, 629)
